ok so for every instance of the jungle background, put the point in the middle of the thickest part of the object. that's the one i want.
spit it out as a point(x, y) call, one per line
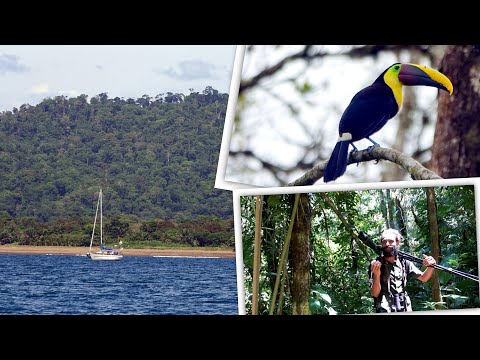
point(291, 99)
point(325, 269)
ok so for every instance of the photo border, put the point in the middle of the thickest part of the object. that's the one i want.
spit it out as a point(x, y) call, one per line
point(220, 182)
point(346, 187)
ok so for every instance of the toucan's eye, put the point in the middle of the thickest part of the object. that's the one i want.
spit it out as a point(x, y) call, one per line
point(397, 67)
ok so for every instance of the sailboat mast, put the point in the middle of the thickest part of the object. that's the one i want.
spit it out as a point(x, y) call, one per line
point(101, 217)
point(95, 221)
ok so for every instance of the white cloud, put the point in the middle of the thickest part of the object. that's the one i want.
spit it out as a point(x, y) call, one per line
point(10, 63)
point(192, 70)
point(40, 88)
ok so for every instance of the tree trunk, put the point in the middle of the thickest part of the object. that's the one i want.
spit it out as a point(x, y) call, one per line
point(390, 207)
point(269, 245)
point(435, 243)
point(455, 151)
point(300, 257)
point(257, 253)
point(383, 208)
point(400, 220)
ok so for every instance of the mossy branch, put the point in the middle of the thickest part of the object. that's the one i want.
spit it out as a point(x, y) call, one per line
point(416, 170)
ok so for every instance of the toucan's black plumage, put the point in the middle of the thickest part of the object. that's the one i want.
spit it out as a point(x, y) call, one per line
point(372, 107)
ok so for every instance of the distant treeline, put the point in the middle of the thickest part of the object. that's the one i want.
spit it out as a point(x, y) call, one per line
point(203, 231)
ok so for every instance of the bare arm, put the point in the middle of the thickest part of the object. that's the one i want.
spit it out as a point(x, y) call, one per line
point(427, 260)
point(376, 287)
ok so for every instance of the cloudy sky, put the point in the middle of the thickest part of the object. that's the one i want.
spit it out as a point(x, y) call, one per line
point(30, 73)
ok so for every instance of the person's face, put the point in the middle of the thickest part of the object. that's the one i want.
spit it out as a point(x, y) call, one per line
point(389, 242)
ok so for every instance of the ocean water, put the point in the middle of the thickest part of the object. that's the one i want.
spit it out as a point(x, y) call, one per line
point(76, 285)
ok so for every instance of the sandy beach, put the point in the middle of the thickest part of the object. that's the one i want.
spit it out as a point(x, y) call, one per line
point(68, 250)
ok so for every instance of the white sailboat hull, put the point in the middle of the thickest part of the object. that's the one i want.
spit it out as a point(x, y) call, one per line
point(95, 256)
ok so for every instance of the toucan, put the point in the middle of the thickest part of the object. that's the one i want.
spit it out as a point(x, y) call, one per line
point(373, 106)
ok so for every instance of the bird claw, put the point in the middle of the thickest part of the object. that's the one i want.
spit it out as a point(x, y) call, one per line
point(355, 150)
point(371, 147)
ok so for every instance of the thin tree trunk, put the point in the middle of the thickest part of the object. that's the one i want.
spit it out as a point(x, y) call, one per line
point(282, 291)
point(300, 257)
point(256, 253)
point(435, 243)
point(402, 226)
point(269, 245)
point(457, 132)
point(390, 207)
point(285, 250)
point(383, 208)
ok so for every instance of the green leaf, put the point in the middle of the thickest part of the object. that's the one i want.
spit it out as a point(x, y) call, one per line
point(304, 88)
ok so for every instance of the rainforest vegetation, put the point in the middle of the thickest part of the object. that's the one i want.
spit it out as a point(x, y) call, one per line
point(154, 158)
point(325, 269)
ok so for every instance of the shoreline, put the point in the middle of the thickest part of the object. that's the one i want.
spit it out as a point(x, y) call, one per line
point(82, 251)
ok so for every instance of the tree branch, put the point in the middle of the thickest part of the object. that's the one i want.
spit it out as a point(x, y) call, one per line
point(348, 227)
point(275, 170)
point(416, 170)
point(265, 164)
point(374, 50)
point(306, 54)
point(248, 83)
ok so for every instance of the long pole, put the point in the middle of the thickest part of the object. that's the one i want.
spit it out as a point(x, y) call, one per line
point(439, 267)
point(378, 250)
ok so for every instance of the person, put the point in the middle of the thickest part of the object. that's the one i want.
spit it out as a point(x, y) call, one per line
point(389, 275)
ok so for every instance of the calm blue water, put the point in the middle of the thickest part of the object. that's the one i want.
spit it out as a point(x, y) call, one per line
point(65, 285)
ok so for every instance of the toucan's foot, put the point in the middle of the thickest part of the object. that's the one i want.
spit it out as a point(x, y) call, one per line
point(353, 152)
point(371, 147)
point(355, 149)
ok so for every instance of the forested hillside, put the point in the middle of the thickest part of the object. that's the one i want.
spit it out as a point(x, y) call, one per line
point(155, 159)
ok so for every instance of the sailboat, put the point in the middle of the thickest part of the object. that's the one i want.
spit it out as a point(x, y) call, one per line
point(104, 253)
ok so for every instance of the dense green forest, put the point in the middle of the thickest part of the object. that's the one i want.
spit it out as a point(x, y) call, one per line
point(328, 272)
point(155, 159)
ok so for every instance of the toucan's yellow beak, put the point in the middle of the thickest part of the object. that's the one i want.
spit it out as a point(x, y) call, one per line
point(414, 74)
